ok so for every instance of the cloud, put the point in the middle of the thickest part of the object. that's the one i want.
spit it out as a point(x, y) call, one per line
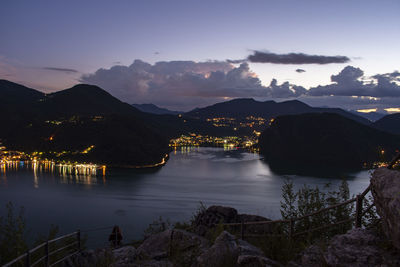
point(294, 58)
point(186, 84)
point(61, 69)
point(349, 82)
point(300, 70)
point(183, 85)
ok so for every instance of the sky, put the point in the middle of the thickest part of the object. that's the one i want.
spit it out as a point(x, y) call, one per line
point(186, 54)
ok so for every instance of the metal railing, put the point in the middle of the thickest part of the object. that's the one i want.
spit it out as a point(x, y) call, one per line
point(357, 218)
point(51, 252)
point(291, 233)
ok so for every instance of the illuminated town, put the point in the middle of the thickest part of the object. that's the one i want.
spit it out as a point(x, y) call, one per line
point(14, 160)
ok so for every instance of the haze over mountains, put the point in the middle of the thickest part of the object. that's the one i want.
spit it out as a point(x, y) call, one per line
point(64, 124)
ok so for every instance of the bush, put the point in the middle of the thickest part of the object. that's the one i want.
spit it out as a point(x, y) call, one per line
point(308, 200)
point(12, 234)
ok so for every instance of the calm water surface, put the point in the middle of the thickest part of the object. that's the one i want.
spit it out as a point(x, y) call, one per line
point(133, 199)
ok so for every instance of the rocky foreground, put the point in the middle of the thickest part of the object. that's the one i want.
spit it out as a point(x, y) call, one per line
point(174, 247)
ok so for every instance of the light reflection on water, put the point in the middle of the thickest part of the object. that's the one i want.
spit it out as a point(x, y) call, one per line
point(134, 198)
point(67, 173)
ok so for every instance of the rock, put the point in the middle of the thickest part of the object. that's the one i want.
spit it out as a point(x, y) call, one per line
point(312, 257)
point(124, 256)
point(256, 261)
point(219, 214)
point(175, 245)
point(91, 257)
point(152, 263)
point(358, 247)
point(226, 252)
point(385, 187)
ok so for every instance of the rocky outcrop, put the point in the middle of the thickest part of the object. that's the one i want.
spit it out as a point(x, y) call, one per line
point(358, 247)
point(227, 250)
point(174, 245)
point(219, 214)
point(385, 187)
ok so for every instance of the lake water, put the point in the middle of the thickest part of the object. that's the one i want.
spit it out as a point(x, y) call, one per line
point(132, 199)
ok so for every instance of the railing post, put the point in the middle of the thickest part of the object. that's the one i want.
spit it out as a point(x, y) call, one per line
point(242, 230)
point(28, 259)
point(359, 202)
point(291, 228)
point(47, 260)
point(78, 237)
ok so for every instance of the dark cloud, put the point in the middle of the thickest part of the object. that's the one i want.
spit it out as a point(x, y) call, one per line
point(236, 61)
point(61, 69)
point(294, 58)
point(300, 70)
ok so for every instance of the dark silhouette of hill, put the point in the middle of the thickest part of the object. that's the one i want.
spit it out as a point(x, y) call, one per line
point(243, 107)
point(389, 123)
point(324, 141)
point(73, 120)
point(151, 108)
point(86, 99)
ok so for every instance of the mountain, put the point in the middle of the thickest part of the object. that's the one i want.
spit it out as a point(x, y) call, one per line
point(389, 123)
point(151, 108)
point(68, 122)
point(372, 116)
point(324, 141)
point(244, 107)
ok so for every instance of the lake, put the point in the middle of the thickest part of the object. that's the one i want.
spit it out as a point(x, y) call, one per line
point(134, 198)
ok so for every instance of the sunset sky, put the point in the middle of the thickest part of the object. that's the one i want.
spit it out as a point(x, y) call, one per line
point(229, 48)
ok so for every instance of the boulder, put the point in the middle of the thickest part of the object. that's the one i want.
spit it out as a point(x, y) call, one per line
point(358, 247)
point(227, 250)
point(219, 214)
point(176, 245)
point(385, 187)
point(256, 261)
point(124, 256)
point(103, 257)
point(312, 257)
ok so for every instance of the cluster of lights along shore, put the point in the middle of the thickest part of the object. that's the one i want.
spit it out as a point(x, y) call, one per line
point(48, 160)
point(17, 159)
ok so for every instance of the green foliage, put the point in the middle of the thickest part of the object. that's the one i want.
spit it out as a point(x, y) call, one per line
point(12, 234)
point(201, 209)
point(308, 200)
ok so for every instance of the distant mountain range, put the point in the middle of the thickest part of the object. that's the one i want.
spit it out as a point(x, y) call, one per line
point(151, 108)
point(324, 141)
point(65, 123)
point(244, 107)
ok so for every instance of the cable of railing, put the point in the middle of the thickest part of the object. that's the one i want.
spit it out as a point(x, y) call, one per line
point(62, 237)
point(323, 227)
point(362, 195)
point(394, 160)
point(325, 209)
